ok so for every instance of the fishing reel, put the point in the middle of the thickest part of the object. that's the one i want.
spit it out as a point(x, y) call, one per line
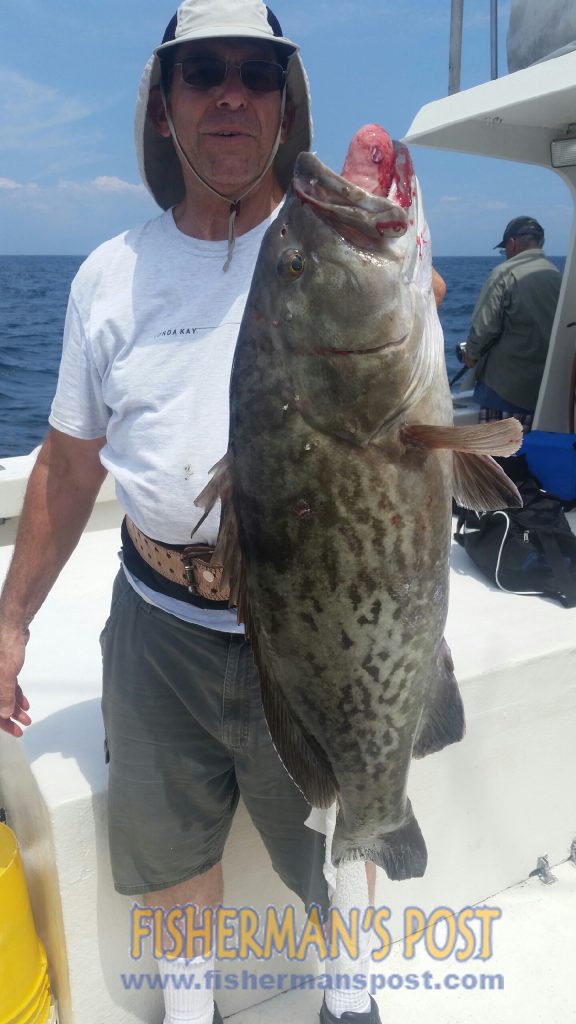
point(460, 351)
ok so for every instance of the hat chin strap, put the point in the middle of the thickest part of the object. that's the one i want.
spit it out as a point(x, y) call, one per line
point(235, 203)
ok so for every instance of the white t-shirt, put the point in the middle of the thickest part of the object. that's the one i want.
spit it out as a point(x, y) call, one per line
point(150, 333)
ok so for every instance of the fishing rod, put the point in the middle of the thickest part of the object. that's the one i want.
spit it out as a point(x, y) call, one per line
point(459, 351)
point(457, 377)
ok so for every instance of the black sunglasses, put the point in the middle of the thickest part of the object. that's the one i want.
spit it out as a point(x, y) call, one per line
point(206, 72)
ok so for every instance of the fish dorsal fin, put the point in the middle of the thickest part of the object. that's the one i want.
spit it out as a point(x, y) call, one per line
point(302, 756)
point(478, 482)
point(227, 552)
point(304, 759)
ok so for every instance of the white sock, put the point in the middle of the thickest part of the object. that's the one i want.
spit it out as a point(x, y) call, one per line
point(184, 1003)
point(344, 999)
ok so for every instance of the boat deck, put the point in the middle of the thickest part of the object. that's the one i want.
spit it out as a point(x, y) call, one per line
point(488, 807)
point(530, 976)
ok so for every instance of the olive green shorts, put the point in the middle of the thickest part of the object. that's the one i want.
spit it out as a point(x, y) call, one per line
point(186, 737)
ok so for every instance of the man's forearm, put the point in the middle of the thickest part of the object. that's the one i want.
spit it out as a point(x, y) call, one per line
point(59, 498)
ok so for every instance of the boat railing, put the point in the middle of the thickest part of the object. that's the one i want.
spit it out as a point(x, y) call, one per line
point(14, 473)
point(455, 60)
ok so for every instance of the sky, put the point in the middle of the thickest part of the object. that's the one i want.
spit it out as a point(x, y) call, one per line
point(69, 75)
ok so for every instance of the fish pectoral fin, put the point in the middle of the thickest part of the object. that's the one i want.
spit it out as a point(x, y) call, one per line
point(501, 438)
point(442, 719)
point(227, 552)
point(479, 483)
point(401, 852)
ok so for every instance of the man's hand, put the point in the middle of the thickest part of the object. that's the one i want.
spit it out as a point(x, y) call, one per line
point(468, 361)
point(438, 287)
point(13, 703)
point(60, 495)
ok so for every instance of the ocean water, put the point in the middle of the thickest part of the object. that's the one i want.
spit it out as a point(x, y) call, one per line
point(33, 296)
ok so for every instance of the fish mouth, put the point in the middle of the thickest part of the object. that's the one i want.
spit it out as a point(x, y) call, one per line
point(395, 343)
point(366, 220)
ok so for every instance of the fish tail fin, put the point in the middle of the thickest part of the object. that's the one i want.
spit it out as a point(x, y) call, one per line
point(402, 852)
point(442, 720)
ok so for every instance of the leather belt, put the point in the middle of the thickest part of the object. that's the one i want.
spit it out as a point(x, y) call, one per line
point(191, 567)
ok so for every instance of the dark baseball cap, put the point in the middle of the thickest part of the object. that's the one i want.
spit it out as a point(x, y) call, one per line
point(518, 227)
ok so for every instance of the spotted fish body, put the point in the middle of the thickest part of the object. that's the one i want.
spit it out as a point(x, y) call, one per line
point(335, 529)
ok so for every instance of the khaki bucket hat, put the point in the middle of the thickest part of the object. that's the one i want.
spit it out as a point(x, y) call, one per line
point(212, 19)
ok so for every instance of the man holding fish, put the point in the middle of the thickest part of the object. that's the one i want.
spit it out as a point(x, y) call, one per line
point(152, 327)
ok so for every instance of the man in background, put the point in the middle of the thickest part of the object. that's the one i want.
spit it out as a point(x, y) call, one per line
point(511, 325)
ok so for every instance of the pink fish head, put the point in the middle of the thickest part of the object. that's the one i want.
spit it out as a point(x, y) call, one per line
point(380, 165)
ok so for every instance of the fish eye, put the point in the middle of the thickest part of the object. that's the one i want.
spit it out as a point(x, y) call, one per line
point(291, 264)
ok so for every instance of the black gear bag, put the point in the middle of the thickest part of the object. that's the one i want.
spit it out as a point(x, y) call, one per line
point(528, 550)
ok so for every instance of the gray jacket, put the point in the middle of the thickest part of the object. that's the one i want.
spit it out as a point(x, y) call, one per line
point(511, 326)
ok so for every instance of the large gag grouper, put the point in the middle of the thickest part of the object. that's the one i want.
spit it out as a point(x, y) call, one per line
point(336, 496)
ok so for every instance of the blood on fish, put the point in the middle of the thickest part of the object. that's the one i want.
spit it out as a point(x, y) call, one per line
point(383, 227)
point(369, 160)
point(376, 162)
point(403, 174)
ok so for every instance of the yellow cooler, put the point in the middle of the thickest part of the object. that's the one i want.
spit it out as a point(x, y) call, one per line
point(24, 985)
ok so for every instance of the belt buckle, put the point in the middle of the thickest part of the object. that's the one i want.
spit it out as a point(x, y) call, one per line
point(189, 574)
